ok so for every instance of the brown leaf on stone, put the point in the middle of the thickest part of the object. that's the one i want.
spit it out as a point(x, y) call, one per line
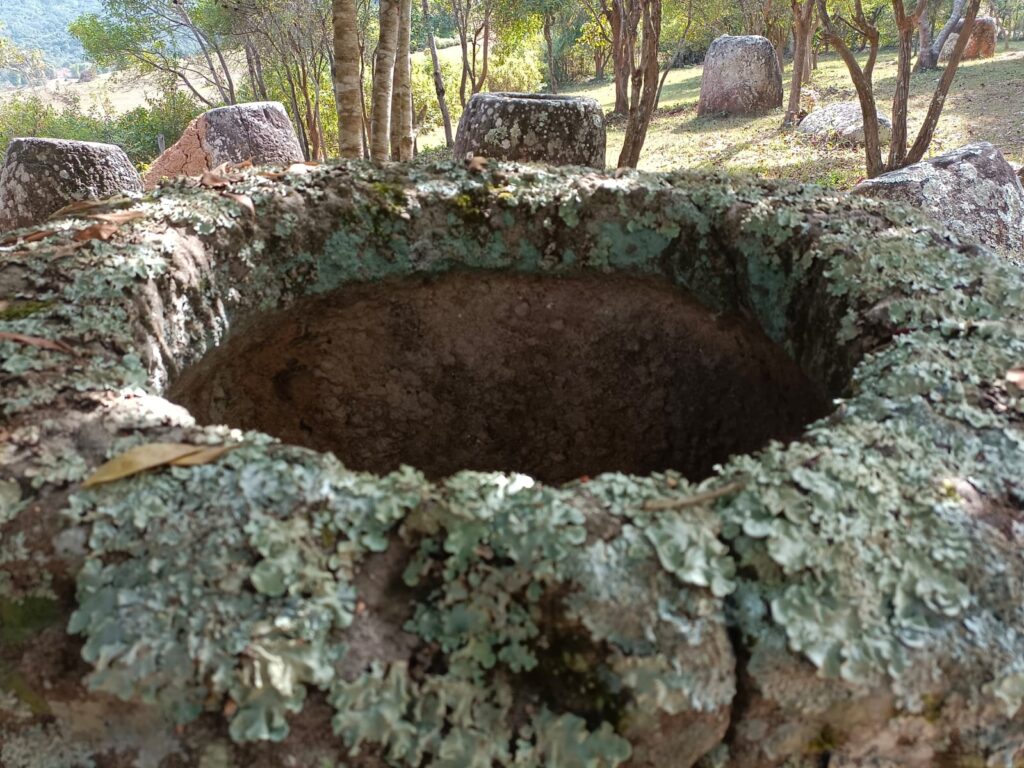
point(243, 201)
point(304, 167)
point(215, 178)
point(35, 341)
point(205, 456)
point(120, 217)
point(29, 238)
point(103, 230)
point(153, 455)
point(230, 708)
point(80, 207)
point(242, 165)
point(475, 163)
point(1015, 378)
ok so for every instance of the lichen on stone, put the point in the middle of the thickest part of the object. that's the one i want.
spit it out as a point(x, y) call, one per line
point(857, 590)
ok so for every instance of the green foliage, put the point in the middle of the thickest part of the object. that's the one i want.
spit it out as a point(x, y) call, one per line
point(42, 25)
point(136, 131)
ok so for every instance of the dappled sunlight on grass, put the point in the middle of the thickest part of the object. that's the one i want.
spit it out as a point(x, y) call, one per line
point(985, 103)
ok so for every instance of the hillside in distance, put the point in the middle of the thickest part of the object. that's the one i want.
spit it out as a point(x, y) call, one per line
point(43, 24)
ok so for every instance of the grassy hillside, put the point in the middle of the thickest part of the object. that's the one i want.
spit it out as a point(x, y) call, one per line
point(43, 24)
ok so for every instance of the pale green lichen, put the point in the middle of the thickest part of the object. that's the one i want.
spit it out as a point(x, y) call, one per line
point(240, 580)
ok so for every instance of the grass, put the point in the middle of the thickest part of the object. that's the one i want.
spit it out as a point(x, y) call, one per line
point(985, 102)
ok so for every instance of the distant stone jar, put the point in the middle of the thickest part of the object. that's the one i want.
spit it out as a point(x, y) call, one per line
point(533, 128)
point(980, 45)
point(41, 176)
point(741, 77)
point(259, 131)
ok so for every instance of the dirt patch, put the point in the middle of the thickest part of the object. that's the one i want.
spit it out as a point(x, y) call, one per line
point(554, 377)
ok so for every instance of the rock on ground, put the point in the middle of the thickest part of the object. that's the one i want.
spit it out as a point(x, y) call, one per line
point(741, 77)
point(260, 131)
point(973, 190)
point(41, 176)
point(844, 121)
point(533, 127)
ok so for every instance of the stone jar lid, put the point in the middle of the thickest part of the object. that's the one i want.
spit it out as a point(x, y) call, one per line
point(533, 127)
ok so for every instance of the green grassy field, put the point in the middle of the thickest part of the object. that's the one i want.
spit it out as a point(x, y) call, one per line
point(986, 102)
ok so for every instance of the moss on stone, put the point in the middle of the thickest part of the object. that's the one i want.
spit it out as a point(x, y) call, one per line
point(875, 560)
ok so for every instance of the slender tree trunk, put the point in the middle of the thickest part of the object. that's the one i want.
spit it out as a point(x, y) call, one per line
point(442, 101)
point(401, 95)
point(927, 132)
point(905, 27)
point(348, 78)
point(928, 54)
point(383, 81)
point(861, 82)
point(645, 83)
point(550, 47)
point(621, 63)
point(802, 10)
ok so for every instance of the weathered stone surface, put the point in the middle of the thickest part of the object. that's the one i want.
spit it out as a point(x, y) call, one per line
point(533, 128)
point(285, 610)
point(741, 77)
point(41, 176)
point(259, 131)
point(982, 42)
point(972, 190)
point(843, 121)
point(980, 45)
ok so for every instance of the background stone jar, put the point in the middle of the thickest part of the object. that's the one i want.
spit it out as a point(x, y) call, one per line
point(533, 127)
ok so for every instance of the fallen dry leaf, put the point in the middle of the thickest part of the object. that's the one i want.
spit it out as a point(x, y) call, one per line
point(298, 168)
point(80, 207)
point(242, 165)
point(243, 200)
point(1015, 377)
point(36, 341)
point(103, 230)
point(30, 238)
point(205, 456)
point(120, 217)
point(151, 456)
point(214, 179)
point(475, 163)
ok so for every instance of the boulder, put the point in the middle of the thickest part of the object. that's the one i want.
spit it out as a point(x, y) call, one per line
point(533, 128)
point(260, 132)
point(851, 593)
point(40, 176)
point(843, 121)
point(972, 190)
point(741, 77)
point(980, 45)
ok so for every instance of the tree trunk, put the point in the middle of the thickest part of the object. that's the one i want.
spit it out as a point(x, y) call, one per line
point(924, 136)
point(401, 96)
point(442, 101)
point(802, 11)
point(905, 27)
point(347, 78)
point(645, 82)
point(621, 63)
point(550, 47)
point(383, 81)
point(928, 55)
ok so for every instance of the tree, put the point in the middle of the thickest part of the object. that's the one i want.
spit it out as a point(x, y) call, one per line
point(928, 49)
point(402, 139)
point(383, 80)
point(644, 80)
point(906, 23)
point(348, 93)
point(803, 10)
point(182, 38)
point(473, 26)
point(28, 63)
point(439, 87)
